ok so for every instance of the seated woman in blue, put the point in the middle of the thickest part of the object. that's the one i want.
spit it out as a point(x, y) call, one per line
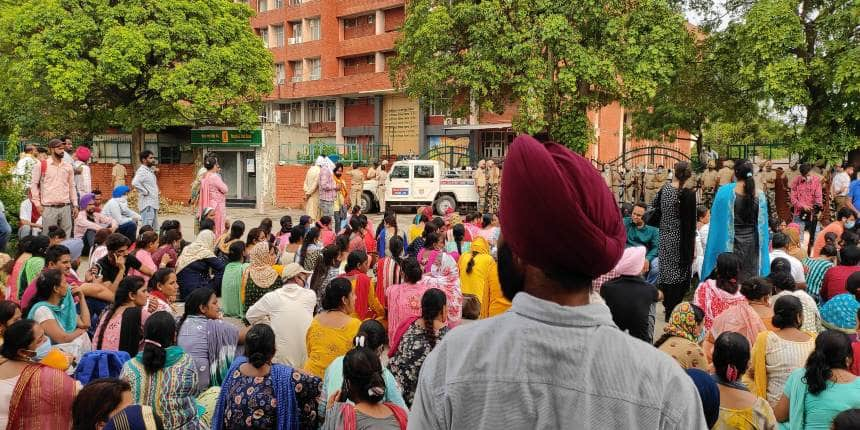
point(814, 395)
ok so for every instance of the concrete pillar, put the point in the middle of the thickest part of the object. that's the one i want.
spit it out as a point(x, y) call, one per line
point(338, 120)
point(304, 115)
point(380, 22)
point(379, 62)
point(377, 120)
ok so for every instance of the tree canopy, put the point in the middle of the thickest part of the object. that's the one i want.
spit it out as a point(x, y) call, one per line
point(137, 64)
point(554, 59)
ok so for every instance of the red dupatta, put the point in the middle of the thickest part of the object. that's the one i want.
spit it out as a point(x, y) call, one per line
point(42, 399)
point(361, 284)
point(349, 421)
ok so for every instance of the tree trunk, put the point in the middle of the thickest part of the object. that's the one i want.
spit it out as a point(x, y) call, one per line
point(137, 137)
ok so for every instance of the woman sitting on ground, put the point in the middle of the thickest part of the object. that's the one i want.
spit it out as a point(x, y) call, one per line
point(332, 330)
point(441, 271)
point(388, 270)
point(145, 246)
point(784, 284)
point(371, 335)
point(260, 277)
point(164, 377)
point(106, 404)
point(742, 317)
point(30, 392)
point(169, 244)
point(13, 269)
point(231, 283)
point(777, 353)
point(309, 253)
point(222, 245)
point(367, 303)
point(259, 394)
point(290, 250)
point(418, 341)
point(739, 408)
point(120, 327)
point(207, 338)
point(54, 308)
point(198, 266)
point(404, 301)
point(326, 270)
point(163, 291)
point(681, 336)
point(721, 290)
point(815, 394)
point(365, 387)
point(34, 264)
point(10, 313)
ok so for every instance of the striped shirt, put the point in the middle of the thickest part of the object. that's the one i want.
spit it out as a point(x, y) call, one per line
point(545, 366)
point(782, 357)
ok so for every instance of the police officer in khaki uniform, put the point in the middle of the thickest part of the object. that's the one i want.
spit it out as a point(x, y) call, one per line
point(630, 183)
point(617, 183)
point(726, 173)
point(480, 177)
point(356, 187)
point(381, 181)
point(710, 181)
point(651, 184)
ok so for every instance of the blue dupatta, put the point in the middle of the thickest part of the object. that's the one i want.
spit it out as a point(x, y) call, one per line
point(285, 394)
point(721, 235)
point(65, 313)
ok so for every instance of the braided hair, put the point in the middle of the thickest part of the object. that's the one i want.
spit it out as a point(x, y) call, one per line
point(432, 303)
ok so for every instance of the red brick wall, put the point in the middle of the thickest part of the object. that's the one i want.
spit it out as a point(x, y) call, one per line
point(394, 19)
point(289, 185)
point(174, 180)
point(357, 115)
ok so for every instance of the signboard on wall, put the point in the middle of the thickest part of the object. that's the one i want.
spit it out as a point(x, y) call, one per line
point(400, 118)
point(227, 137)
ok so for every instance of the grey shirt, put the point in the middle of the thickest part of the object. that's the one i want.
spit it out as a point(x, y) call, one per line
point(146, 185)
point(545, 366)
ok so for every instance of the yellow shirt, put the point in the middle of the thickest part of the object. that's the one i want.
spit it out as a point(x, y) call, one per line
point(415, 231)
point(483, 281)
point(327, 343)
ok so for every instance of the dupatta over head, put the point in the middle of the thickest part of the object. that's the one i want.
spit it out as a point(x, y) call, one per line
point(721, 237)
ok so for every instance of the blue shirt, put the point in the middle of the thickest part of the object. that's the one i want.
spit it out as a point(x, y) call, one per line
point(854, 192)
point(841, 311)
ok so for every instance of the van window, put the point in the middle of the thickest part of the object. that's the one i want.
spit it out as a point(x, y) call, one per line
point(399, 172)
point(424, 171)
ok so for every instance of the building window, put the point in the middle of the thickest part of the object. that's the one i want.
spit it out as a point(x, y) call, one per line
point(295, 2)
point(315, 71)
point(495, 143)
point(358, 21)
point(291, 113)
point(262, 5)
point(113, 151)
point(297, 32)
point(166, 154)
point(279, 35)
point(357, 65)
point(436, 109)
point(278, 4)
point(264, 34)
point(280, 73)
point(296, 70)
point(322, 111)
point(314, 29)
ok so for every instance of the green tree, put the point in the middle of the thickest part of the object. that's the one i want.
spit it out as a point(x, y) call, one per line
point(555, 59)
point(138, 64)
point(804, 57)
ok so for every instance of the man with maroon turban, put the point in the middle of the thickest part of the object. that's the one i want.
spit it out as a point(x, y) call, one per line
point(554, 360)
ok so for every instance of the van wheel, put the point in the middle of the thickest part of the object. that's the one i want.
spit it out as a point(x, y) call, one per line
point(367, 205)
point(443, 203)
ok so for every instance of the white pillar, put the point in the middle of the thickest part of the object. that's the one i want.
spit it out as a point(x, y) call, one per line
point(379, 62)
point(338, 120)
point(304, 115)
point(380, 22)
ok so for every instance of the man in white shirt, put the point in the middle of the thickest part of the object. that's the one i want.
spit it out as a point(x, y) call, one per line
point(780, 242)
point(289, 310)
point(841, 182)
point(25, 165)
point(26, 224)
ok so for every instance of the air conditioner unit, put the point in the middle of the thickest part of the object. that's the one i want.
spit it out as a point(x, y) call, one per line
point(281, 81)
point(449, 121)
point(291, 40)
point(276, 116)
point(461, 121)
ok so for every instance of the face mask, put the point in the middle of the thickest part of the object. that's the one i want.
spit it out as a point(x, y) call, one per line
point(701, 337)
point(42, 350)
point(849, 225)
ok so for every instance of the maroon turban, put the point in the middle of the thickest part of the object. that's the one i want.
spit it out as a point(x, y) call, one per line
point(550, 182)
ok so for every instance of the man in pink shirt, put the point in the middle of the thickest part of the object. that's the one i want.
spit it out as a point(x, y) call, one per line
point(806, 200)
point(54, 193)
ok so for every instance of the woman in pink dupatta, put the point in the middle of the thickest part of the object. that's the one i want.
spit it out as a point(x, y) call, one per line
point(741, 317)
point(213, 194)
point(442, 272)
point(718, 294)
point(13, 278)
